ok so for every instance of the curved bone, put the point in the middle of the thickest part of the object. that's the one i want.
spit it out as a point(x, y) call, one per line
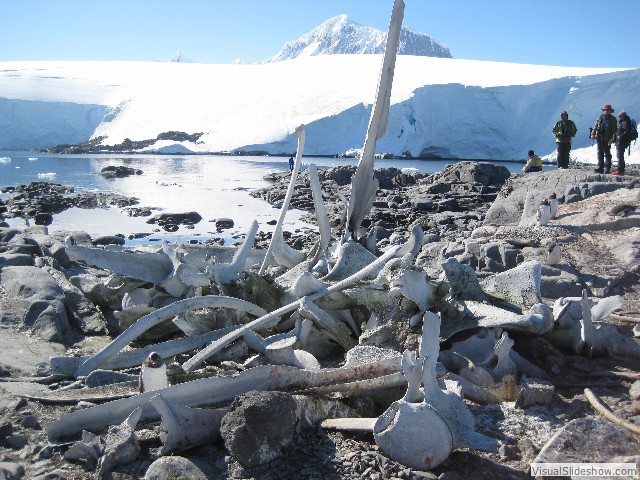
point(324, 227)
point(282, 253)
point(160, 315)
point(184, 427)
point(134, 357)
point(214, 347)
point(146, 266)
point(363, 184)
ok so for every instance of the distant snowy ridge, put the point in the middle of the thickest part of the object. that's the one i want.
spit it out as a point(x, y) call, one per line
point(438, 109)
point(341, 35)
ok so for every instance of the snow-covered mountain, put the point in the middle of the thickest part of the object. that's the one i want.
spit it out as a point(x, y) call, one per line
point(440, 107)
point(341, 35)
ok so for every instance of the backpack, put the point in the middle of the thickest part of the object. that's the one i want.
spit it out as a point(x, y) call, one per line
point(633, 130)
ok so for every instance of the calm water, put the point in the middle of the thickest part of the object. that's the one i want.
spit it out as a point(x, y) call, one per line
point(214, 186)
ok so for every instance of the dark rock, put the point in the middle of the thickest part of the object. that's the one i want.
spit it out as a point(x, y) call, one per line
point(119, 171)
point(170, 220)
point(109, 240)
point(6, 429)
point(43, 219)
point(260, 426)
point(222, 223)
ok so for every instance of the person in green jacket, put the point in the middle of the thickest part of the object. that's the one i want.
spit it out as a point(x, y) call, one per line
point(564, 130)
point(603, 133)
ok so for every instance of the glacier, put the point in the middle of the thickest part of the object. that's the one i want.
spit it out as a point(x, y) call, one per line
point(440, 107)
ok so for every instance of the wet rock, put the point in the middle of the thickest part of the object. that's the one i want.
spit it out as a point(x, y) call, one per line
point(119, 171)
point(170, 221)
point(108, 240)
point(260, 426)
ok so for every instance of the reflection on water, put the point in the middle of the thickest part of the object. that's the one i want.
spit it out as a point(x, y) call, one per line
point(214, 186)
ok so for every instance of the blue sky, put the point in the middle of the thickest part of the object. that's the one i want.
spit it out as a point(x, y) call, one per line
point(586, 33)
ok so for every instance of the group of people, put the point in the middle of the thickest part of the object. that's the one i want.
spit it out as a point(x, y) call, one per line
point(606, 132)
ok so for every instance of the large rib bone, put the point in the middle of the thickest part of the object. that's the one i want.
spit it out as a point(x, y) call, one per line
point(160, 315)
point(324, 227)
point(363, 184)
point(208, 391)
point(282, 253)
point(214, 347)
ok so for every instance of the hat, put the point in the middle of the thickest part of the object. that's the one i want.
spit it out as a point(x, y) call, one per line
point(608, 107)
point(622, 113)
point(531, 152)
point(564, 113)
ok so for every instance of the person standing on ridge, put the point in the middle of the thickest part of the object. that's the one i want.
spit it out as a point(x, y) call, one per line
point(622, 139)
point(564, 131)
point(534, 163)
point(603, 133)
point(290, 163)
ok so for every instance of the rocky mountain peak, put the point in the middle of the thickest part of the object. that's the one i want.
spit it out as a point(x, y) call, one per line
point(341, 35)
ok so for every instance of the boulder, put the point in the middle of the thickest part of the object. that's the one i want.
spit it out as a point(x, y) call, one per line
point(36, 301)
point(260, 426)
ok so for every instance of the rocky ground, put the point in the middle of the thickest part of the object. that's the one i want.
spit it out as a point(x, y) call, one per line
point(478, 215)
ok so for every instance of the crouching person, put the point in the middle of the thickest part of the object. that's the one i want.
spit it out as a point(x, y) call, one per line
point(534, 163)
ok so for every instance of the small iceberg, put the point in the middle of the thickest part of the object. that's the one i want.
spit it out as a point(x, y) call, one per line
point(5, 160)
point(32, 159)
point(47, 175)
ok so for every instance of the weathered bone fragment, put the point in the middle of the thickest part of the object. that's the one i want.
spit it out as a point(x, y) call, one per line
point(206, 391)
point(224, 273)
point(146, 266)
point(519, 286)
point(422, 435)
point(351, 257)
point(587, 342)
point(568, 330)
point(184, 427)
point(278, 249)
point(160, 315)
point(121, 445)
point(337, 329)
point(363, 184)
point(279, 349)
point(214, 347)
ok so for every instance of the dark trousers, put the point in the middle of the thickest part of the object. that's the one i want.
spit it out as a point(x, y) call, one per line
point(620, 156)
point(563, 154)
point(604, 155)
